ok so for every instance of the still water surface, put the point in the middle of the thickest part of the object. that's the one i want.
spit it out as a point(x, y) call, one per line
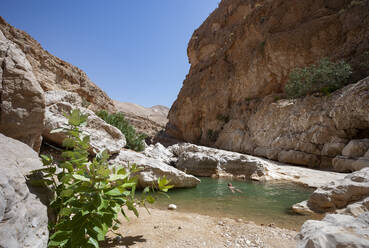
point(258, 202)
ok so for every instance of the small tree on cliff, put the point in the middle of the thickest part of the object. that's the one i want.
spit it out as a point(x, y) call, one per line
point(325, 77)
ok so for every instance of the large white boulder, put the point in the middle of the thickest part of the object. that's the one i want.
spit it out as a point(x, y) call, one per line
point(158, 151)
point(335, 230)
point(153, 169)
point(23, 218)
point(102, 135)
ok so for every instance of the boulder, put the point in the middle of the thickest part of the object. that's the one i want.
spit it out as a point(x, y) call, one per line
point(22, 103)
point(158, 151)
point(23, 218)
point(357, 208)
point(266, 152)
point(299, 158)
point(356, 148)
point(153, 169)
point(204, 161)
point(332, 149)
point(346, 164)
point(335, 230)
point(338, 194)
point(102, 135)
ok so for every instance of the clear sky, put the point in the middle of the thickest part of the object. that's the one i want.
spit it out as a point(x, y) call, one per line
point(135, 50)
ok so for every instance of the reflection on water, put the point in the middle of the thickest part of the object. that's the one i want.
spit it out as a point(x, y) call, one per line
point(261, 203)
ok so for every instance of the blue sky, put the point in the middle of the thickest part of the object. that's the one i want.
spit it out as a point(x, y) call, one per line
point(134, 50)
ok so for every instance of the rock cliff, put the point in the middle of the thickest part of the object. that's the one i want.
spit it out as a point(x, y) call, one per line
point(22, 101)
point(240, 60)
point(53, 73)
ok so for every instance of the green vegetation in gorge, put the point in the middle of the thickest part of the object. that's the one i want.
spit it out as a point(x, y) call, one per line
point(135, 141)
point(325, 77)
point(88, 192)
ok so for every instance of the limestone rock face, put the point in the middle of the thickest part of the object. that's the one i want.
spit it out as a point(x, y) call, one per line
point(356, 148)
point(102, 135)
point(23, 218)
point(240, 59)
point(55, 74)
point(153, 169)
point(335, 230)
point(22, 101)
point(338, 194)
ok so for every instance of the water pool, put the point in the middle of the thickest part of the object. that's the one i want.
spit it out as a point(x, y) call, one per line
point(263, 203)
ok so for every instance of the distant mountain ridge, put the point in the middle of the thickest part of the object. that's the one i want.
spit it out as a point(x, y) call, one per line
point(146, 120)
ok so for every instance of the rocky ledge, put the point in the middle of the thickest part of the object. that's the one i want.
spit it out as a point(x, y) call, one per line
point(211, 162)
point(346, 195)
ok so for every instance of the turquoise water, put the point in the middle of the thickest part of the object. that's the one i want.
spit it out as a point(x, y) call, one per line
point(258, 202)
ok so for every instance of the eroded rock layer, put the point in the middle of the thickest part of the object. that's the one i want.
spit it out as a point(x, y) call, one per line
point(22, 100)
point(55, 74)
point(240, 60)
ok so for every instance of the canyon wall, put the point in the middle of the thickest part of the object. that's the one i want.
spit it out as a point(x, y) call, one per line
point(240, 60)
point(53, 73)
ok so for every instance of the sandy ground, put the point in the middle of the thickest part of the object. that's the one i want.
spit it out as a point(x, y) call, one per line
point(172, 229)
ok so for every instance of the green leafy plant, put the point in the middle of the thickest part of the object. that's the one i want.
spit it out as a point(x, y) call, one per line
point(135, 141)
point(325, 77)
point(88, 192)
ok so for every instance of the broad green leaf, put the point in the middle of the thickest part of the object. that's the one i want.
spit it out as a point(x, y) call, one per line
point(57, 130)
point(66, 193)
point(114, 192)
point(82, 178)
point(93, 242)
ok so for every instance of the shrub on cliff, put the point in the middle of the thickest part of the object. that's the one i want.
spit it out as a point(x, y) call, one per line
point(88, 192)
point(325, 77)
point(135, 141)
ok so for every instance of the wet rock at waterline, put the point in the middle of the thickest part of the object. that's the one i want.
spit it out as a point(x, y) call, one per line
point(335, 230)
point(23, 218)
point(153, 169)
point(338, 194)
point(22, 101)
point(205, 161)
point(103, 136)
